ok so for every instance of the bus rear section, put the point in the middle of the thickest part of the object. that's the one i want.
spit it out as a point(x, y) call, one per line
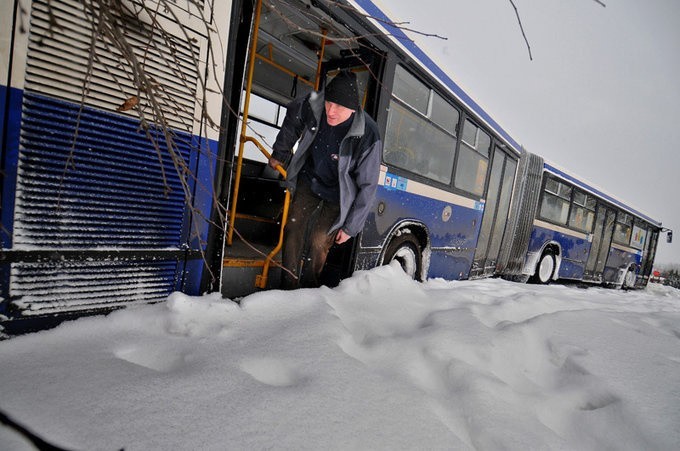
point(580, 233)
point(105, 179)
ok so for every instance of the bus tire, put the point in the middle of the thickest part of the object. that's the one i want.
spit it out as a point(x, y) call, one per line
point(406, 250)
point(545, 268)
point(629, 279)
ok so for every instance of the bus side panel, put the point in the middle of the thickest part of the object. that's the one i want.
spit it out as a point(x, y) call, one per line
point(452, 229)
point(618, 261)
point(195, 229)
point(104, 220)
point(451, 265)
point(11, 120)
point(571, 270)
point(574, 251)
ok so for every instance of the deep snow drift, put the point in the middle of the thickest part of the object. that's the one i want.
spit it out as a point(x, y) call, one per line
point(380, 362)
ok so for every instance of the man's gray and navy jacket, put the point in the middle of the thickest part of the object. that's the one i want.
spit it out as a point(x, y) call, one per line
point(358, 160)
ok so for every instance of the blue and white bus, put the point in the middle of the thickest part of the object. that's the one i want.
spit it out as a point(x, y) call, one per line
point(573, 230)
point(96, 215)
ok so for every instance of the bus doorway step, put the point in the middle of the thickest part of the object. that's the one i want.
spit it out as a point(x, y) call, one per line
point(239, 281)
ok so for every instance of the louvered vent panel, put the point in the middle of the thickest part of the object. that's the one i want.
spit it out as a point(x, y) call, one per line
point(60, 55)
point(51, 288)
point(107, 191)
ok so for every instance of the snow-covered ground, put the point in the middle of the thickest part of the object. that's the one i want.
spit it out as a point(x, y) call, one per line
point(381, 362)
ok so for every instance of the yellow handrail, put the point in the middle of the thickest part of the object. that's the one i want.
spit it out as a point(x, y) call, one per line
point(264, 151)
point(261, 279)
point(317, 82)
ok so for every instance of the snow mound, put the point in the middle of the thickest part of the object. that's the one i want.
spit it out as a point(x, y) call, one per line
point(380, 362)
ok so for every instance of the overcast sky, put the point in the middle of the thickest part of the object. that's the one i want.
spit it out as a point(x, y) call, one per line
point(601, 97)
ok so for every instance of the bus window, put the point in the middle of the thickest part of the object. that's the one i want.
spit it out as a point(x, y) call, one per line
point(417, 141)
point(444, 115)
point(411, 91)
point(582, 214)
point(639, 236)
point(622, 231)
point(265, 118)
point(555, 204)
point(473, 159)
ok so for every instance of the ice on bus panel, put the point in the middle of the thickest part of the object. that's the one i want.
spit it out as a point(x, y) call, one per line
point(106, 219)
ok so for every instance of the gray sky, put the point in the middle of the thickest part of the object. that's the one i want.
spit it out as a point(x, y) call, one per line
point(601, 97)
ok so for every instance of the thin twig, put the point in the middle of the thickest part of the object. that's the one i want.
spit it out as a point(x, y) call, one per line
point(401, 26)
point(521, 27)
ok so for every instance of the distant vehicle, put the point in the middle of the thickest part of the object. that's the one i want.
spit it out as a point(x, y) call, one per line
point(96, 216)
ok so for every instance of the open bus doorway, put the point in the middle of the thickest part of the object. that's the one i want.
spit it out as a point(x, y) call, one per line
point(295, 46)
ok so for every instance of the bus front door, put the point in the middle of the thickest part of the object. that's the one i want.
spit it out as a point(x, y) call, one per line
point(599, 249)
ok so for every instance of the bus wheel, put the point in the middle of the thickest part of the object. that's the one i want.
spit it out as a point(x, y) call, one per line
point(406, 250)
point(545, 268)
point(629, 279)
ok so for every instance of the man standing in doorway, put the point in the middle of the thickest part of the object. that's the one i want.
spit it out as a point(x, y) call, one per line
point(333, 175)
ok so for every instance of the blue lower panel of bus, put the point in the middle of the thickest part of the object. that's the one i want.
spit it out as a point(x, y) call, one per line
point(618, 261)
point(10, 125)
point(451, 265)
point(574, 250)
point(452, 240)
point(53, 287)
point(110, 190)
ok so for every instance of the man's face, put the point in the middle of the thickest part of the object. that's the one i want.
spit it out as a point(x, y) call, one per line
point(336, 114)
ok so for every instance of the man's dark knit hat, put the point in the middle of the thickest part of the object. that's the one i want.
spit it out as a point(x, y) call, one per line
point(342, 89)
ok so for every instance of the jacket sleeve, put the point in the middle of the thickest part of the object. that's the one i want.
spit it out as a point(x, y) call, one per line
point(366, 179)
point(290, 132)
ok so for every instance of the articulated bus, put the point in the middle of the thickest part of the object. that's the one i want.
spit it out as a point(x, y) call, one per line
point(102, 209)
point(566, 228)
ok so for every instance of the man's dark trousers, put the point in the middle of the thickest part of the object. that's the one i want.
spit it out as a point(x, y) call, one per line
point(307, 238)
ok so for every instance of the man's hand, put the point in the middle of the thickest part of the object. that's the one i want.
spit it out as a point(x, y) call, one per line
point(273, 162)
point(341, 237)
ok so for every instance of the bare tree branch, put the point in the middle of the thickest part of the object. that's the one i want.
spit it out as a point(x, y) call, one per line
point(521, 27)
point(401, 26)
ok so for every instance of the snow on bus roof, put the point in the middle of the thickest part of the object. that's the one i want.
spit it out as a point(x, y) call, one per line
point(594, 189)
point(399, 37)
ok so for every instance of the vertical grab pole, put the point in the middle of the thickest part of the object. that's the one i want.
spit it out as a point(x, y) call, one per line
point(318, 67)
point(246, 104)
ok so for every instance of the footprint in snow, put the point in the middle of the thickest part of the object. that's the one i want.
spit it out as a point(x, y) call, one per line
point(157, 358)
point(272, 372)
